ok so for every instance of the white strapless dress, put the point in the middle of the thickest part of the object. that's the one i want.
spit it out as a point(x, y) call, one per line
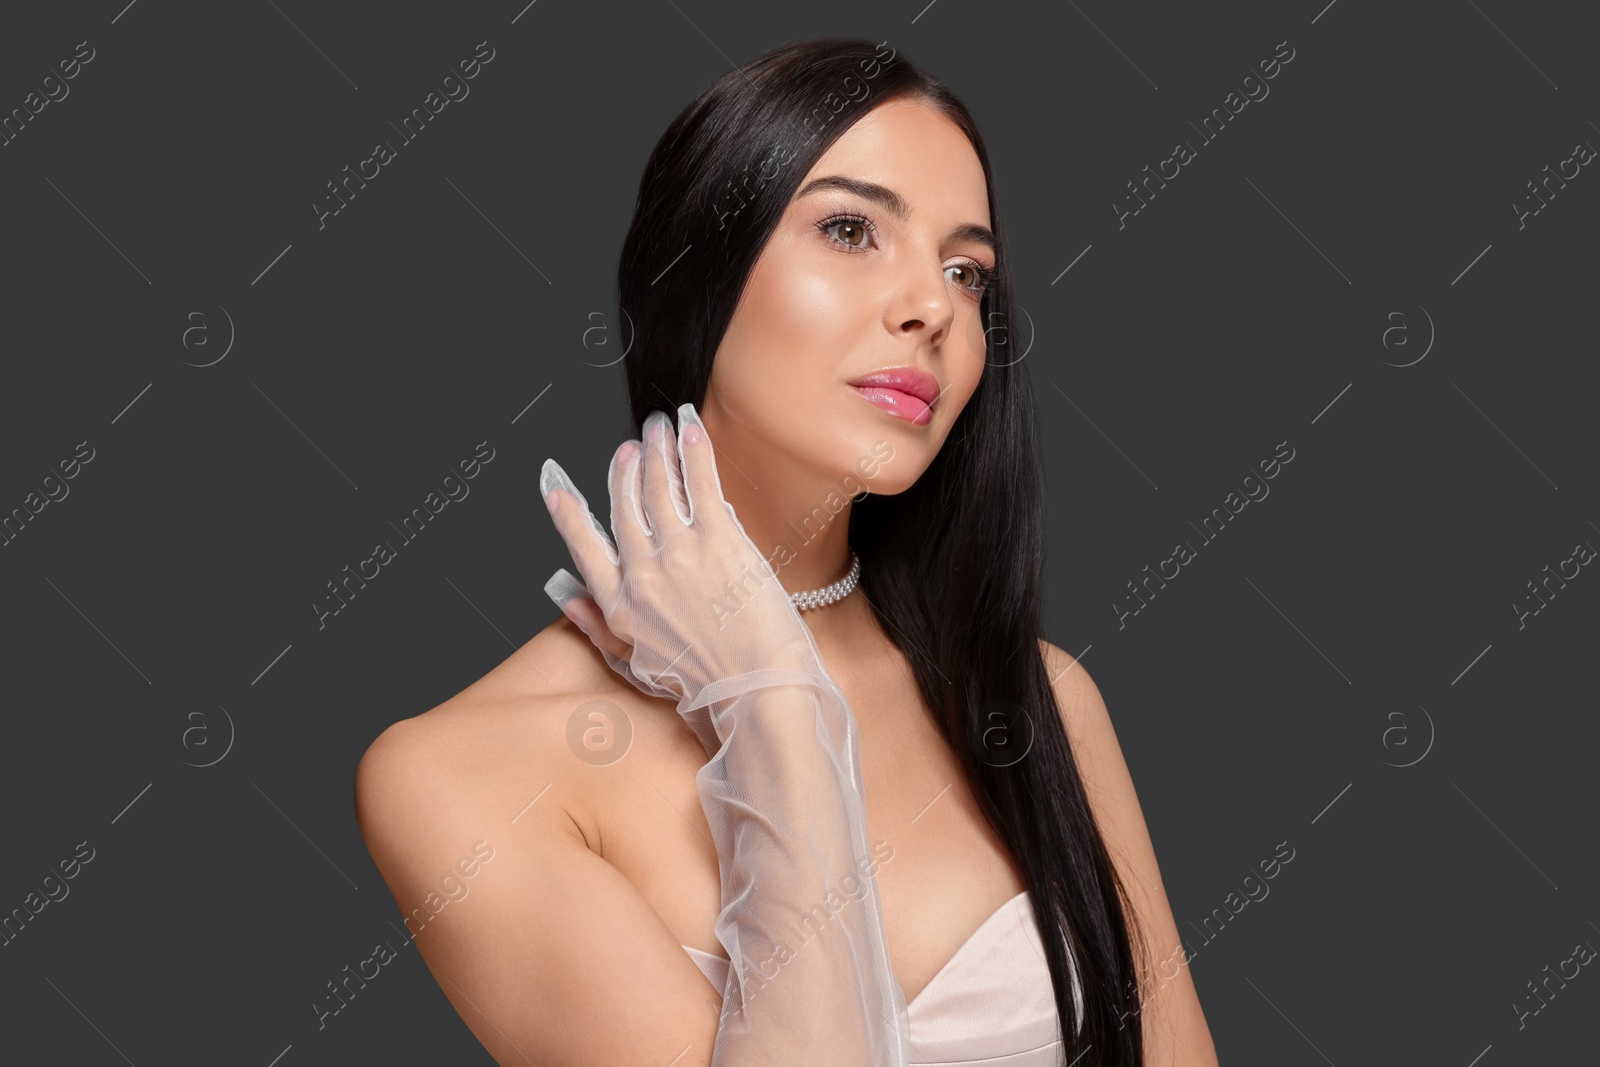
point(991, 1004)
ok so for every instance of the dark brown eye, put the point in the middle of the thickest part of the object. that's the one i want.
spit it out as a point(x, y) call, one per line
point(972, 281)
point(854, 231)
point(851, 233)
point(978, 278)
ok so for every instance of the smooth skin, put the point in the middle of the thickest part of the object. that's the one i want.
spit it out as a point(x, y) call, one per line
point(566, 952)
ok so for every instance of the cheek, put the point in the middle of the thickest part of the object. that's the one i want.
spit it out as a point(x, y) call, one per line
point(794, 330)
point(807, 311)
point(979, 331)
point(970, 363)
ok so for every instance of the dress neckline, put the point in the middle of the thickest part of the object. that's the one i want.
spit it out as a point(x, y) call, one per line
point(972, 938)
point(949, 964)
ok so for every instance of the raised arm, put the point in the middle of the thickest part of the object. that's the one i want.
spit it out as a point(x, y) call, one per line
point(810, 983)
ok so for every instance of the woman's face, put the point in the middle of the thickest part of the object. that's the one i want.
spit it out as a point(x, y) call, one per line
point(854, 282)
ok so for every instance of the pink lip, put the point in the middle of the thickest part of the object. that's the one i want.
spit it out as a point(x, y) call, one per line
point(905, 392)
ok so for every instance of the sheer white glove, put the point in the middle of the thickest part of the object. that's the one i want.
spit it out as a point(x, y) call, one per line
point(693, 612)
point(688, 578)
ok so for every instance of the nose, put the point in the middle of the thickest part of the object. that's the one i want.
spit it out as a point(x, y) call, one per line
point(924, 302)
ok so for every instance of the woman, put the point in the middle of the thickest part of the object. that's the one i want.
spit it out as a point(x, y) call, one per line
point(815, 269)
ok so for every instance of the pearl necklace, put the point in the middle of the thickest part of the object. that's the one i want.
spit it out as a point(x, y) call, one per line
point(818, 598)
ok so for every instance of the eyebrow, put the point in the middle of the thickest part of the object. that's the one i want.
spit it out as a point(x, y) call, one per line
point(895, 204)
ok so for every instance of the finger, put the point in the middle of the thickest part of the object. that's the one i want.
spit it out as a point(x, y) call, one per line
point(578, 606)
point(563, 586)
point(665, 505)
point(627, 516)
point(587, 616)
point(586, 539)
point(699, 466)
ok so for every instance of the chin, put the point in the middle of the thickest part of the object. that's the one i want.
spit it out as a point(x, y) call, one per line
point(877, 461)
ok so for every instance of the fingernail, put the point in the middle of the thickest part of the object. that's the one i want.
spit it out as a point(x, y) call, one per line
point(550, 501)
point(562, 586)
point(552, 477)
point(691, 434)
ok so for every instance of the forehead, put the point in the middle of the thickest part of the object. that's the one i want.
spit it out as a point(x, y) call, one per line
point(916, 150)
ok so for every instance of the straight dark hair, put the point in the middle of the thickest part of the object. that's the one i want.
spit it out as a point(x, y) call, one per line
point(954, 565)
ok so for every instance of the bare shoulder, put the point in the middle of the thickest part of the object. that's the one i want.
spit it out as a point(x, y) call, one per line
point(478, 816)
point(1101, 765)
point(1083, 709)
point(494, 721)
point(502, 740)
point(441, 781)
point(1095, 748)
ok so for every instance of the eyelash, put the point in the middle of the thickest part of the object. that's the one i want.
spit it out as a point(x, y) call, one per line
point(985, 275)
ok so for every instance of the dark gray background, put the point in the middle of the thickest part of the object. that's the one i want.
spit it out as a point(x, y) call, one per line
point(1229, 316)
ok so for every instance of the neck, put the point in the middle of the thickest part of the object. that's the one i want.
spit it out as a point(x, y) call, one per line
point(798, 517)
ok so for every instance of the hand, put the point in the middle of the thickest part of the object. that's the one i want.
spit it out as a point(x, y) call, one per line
point(685, 598)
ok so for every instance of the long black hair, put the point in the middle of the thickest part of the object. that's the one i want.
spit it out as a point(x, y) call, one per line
point(954, 565)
